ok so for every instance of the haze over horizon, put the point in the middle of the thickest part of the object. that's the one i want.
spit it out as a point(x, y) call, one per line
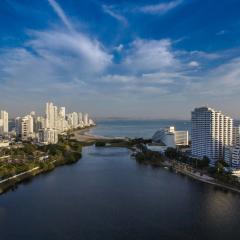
point(146, 58)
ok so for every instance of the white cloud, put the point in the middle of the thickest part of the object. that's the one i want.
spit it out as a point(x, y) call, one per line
point(160, 8)
point(76, 47)
point(204, 55)
point(194, 64)
point(109, 10)
point(150, 55)
point(119, 48)
point(59, 11)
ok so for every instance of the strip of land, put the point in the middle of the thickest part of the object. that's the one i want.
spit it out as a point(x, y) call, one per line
point(84, 136)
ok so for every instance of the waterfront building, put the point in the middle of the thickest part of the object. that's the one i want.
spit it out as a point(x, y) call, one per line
point(170, 137)
point(236, 135)
point(91, 122)
point(74, 120)
point(85, 119)
point(211, 133)
point(232, 156)
point(48, 136)
point(3, 122)
point(80, 118)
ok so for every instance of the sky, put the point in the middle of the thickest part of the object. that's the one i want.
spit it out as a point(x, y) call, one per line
point(125, 58)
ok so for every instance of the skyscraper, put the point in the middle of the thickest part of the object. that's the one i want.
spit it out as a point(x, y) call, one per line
point(51, 115)
point(211, 132)
point(4, 122)
point(85, 119)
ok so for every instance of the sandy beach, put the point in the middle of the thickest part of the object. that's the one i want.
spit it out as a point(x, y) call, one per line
point(83, 135)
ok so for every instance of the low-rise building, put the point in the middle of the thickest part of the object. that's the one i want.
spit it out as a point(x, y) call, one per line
point(4, 143)
point(48, 136)
point(170, 137)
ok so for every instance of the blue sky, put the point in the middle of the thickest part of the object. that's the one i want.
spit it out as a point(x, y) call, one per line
point(132, 58)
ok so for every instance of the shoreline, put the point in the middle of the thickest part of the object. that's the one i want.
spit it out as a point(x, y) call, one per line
point(212, 182)
point(82, 136)
point(204, 178)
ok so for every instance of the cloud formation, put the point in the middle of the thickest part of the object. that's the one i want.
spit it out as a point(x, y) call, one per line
point(65, 63)
point(160, 8)
point(59, 11)
point(110, 11)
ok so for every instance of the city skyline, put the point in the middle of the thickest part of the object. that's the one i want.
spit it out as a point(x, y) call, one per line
point(101, 57)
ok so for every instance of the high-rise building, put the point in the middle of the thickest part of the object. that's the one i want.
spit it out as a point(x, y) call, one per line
point(62, 112)
point(211, 133)
point(18, 126)
point(3, 122)
point(50, 115)
point(232, 156)
point(236, 135)
point(27, 128)
point(85, 119)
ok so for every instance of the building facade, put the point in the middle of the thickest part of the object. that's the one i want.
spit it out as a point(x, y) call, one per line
point(48, 136)
point(3, 122)
point(27, 131)
point(211, 133)
point(232, 156)
point(170, 137)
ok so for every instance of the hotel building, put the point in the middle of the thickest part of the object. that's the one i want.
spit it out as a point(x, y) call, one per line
point(170, 137)
point(211, 133)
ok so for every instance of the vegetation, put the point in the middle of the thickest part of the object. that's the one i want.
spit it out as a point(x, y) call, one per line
point(29, 156)
point(218, 171)
point(100, 144)
point(149, 156)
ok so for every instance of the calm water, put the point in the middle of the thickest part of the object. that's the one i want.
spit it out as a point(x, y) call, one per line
point(136, 128)
point(107, 195)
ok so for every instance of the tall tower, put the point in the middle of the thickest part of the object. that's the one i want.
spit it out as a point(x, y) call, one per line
point(211, 132)
point(51, 115)
point(4, 122)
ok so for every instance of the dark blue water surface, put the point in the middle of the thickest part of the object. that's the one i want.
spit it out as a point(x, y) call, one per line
point(107, 195)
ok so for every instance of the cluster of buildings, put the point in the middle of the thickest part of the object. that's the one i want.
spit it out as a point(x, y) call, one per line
point(216, 136)
point(44, 129)
point(213, 134)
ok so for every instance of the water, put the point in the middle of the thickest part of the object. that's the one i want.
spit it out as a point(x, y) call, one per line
point(107, 195)
point(136, 128)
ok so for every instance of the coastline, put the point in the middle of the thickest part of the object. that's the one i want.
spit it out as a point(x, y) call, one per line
point(83, 135)
point(84, 138)
point(196, 176)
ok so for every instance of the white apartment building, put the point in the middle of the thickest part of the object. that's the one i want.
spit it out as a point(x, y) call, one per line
point(232, 156)
point(48, 136)
point(85, 119)
point(51, 115)
point(170, 137)
point(3, 122)
point(62, 112)
point(211, 133)
point(236, 135)
point(27, 130)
